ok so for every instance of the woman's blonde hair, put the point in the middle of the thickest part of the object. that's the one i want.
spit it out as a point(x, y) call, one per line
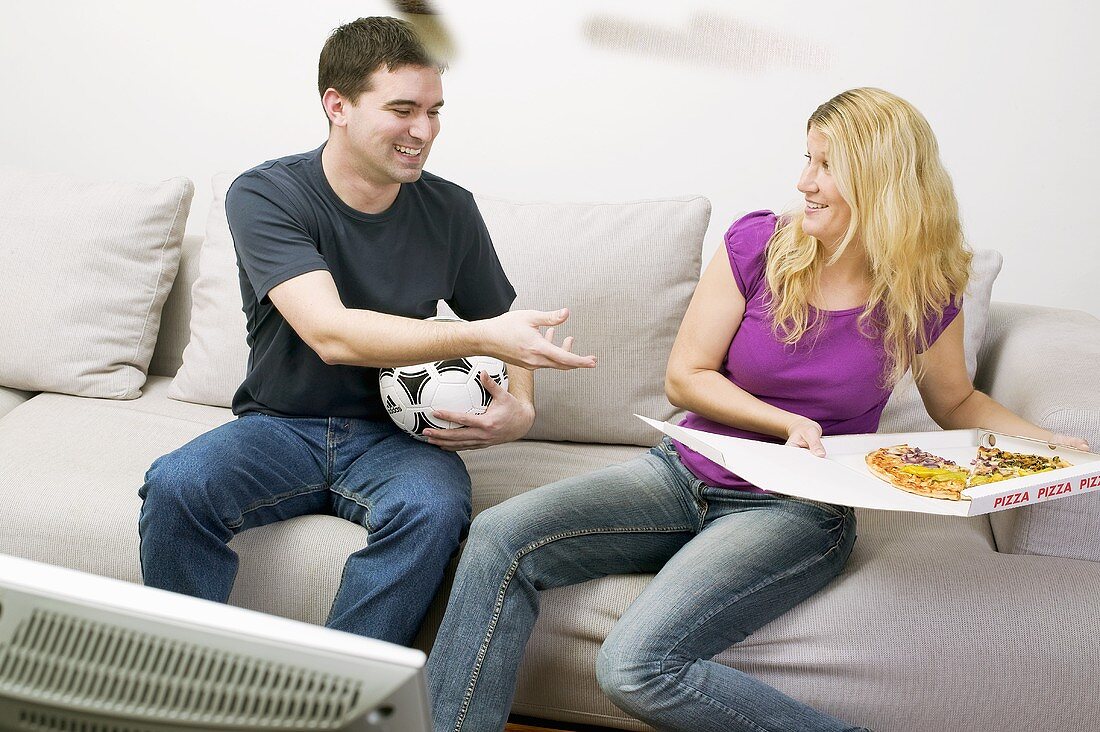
point(886, 165)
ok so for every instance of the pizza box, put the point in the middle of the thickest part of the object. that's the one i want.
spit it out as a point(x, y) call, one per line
point(842, 476)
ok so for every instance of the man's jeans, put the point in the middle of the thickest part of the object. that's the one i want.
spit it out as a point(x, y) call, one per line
point(727, 563)
point(412, 497)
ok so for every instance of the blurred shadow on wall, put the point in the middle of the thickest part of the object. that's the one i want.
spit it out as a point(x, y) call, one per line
point(709, 39)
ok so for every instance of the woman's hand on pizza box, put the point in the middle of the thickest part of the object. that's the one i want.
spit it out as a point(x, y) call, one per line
point(804, 432)
point(1076, 443)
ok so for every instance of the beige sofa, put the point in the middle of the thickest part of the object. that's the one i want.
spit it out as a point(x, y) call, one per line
point(938, 623)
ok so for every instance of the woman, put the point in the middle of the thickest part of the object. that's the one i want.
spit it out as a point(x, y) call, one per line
point(800, 326)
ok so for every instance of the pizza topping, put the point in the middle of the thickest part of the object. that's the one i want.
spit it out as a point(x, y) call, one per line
point(914, 470)
point(993, 464)
point(916, 456)
point(992, 460)
point(935, 473)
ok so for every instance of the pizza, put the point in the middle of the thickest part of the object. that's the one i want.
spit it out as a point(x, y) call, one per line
point(993, 464)
point(919, 472)
point(916, 471)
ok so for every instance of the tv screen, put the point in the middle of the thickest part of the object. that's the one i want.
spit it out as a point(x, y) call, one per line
point(86, 653)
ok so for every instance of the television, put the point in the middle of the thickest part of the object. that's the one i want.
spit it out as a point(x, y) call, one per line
point(84, 653)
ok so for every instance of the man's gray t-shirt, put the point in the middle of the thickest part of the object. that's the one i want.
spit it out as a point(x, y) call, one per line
point(286, 220)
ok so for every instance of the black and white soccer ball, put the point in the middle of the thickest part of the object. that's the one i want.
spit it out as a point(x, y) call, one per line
point(411, 393)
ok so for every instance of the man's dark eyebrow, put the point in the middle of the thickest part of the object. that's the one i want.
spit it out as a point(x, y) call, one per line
point(410, 103)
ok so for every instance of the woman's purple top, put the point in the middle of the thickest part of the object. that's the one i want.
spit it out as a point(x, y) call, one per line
point(833, 375)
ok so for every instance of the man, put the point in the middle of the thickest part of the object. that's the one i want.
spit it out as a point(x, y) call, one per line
point(342, 252)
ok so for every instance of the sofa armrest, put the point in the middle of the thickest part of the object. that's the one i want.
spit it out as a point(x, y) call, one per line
point(1042, 363)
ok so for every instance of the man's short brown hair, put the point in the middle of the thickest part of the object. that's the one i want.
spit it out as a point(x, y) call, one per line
point(357, 49)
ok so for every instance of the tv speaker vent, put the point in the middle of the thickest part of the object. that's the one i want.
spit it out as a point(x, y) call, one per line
point(35, 721)
point(99, 668)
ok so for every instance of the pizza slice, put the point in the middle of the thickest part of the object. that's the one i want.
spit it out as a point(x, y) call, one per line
point(993, 464)
point(916, 471)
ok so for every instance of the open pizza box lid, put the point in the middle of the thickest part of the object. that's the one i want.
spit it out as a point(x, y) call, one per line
point(842, 476)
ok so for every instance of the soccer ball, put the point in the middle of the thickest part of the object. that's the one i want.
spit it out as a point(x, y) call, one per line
point(411, 393)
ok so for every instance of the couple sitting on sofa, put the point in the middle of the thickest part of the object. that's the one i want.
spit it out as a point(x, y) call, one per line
point(800, 326)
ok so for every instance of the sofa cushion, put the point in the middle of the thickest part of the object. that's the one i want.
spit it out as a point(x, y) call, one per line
point(895, 643)
point(627, 272)
point(78, 506)
point(100, 449)
point(503, 471)
point(862, 649)
point(85, 268)
point(1054, 386)
point(905, 411)
point(926, 608)
point(216, 356)
point(175, 318)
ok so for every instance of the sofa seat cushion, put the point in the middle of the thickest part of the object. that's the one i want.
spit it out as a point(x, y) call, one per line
point(920, 627)
point(70, 469)
point(98, 452)
point(909, 637)
point(926, 593)
point(503, 471)
point(895, 642)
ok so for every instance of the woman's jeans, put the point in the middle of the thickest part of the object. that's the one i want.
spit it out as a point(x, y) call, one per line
point(411, 497)
point(727, 563)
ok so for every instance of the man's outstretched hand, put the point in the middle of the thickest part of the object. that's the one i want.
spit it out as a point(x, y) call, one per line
point(517, 338)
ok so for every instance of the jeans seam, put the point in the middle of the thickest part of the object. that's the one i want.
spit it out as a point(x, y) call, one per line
point(695, 487)
point(355, 499)
point(702, 505)
point(330, 449)
point(770, 580)
point(273, 501)
point(498, 607)
point(708, 699)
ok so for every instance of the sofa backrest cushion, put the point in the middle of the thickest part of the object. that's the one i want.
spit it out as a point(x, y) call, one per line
point(216, 355)
point(905, 411)
point(175, 318)
point(85, 268)
point(627, 271)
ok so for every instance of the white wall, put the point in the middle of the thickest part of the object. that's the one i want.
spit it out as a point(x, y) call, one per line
point(561, 101)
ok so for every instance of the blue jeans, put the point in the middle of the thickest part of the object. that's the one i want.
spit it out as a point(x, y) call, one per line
point(412, 498)
point(727, 563)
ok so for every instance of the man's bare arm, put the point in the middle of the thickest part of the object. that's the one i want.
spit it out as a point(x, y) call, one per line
point(339, 335)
